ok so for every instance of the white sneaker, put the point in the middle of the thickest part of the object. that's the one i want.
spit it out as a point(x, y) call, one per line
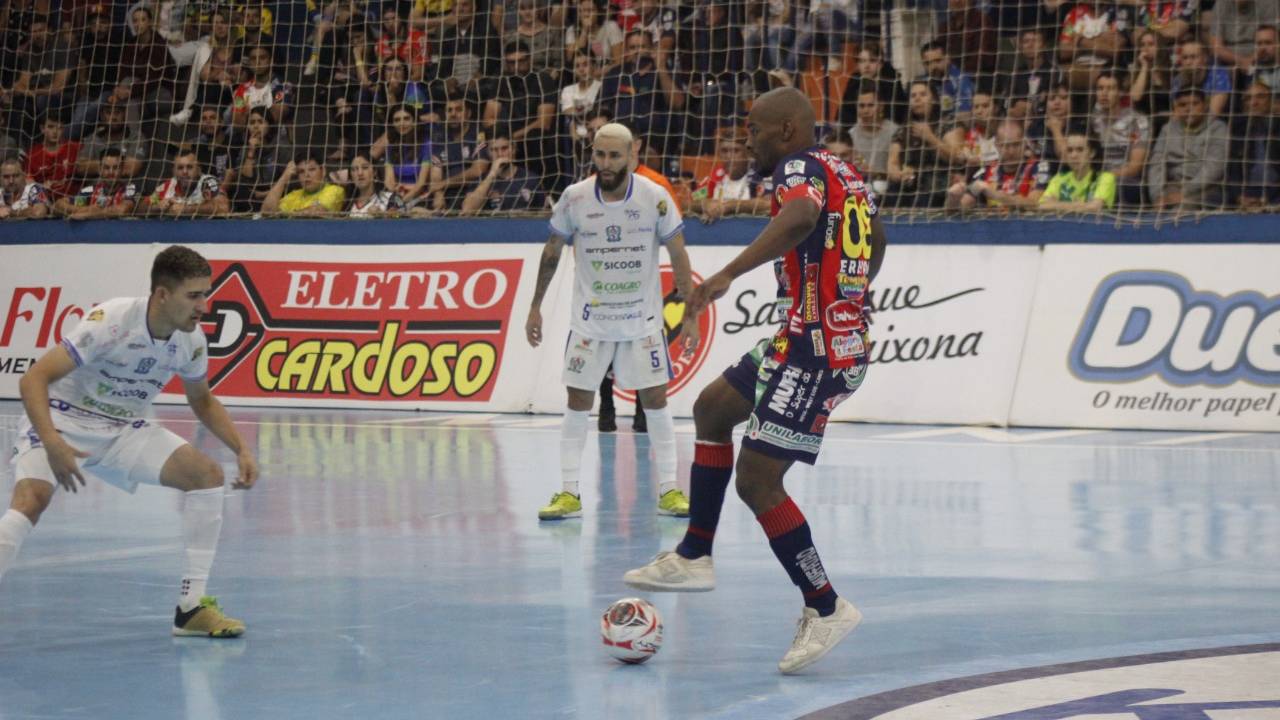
point(669, 572)
point(180, 118)
point(815, 635)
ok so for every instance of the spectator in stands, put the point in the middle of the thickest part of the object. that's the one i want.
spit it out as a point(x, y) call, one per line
point(732, 188)
point(189, 193)
point(640, 93)
point(579, 97)
point(470, 54)
point(99, 66)
point(367, 199)
point(1033, 74)
point(1170, 20)
point(1234, 32)
point(316, 197)
point(20, 198)
point(221, 72)
point(658, 22)
point(1197, 70)
point(1094, 37)
point(839, 147)
point(213, 147)
point(322, 16)
point(872, 136)
point(1189, 161)
point(972, 140)
point(768, 35)
point(112, 196)
point(406, 155)
point(710, 53)
point(52, 161)
point(873, 73)
point(824, 26)
point(1265, 65)
point(1015, 180)
point(544, 40)
point(918, 159)
point(147, 61)
point(432, 15)
point(968, 33)
point(1048, 135)
point(460, 159)
point(524, 111)
point(507, 186)
point(399, 42)
point(265, 90)
point(584, 165)
point(44, 71)
point(113, 132)
point(1124, 135)
point(263, 155)
point(1150, 79)
point(396, 90)
point(952, 87)
point(1254, 172)
point(595, 34)
point(1082, 186)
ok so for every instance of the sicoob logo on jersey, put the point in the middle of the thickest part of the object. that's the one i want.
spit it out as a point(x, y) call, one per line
point(672, 319)
point(403, 331)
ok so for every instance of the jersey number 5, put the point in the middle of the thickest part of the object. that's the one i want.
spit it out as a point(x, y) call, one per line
point(857, 214)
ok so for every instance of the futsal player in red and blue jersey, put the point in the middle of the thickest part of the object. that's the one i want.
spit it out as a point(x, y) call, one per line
point(826, 243)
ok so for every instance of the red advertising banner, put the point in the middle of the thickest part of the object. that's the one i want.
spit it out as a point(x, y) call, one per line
point(404, 331)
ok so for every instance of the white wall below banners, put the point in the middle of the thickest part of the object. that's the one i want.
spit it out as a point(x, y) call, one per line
point(1184, 337)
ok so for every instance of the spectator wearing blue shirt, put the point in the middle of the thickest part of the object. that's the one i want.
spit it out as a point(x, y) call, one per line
point(406, 155)
point(1195, 70)
point(460, 159)
point(952, 86)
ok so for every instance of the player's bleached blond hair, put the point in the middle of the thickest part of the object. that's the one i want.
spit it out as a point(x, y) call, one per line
point(614, 131)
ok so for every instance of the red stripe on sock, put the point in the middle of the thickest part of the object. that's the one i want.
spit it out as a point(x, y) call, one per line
point(699, 532)
point(819, 592)
point(781, 520)
point(709, 454)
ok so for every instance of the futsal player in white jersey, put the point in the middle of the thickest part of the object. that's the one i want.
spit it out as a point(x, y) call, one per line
point(86, 403)
point(616, 221)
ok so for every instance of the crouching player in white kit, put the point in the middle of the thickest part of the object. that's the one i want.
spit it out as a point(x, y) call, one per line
point(616, 220)
point(86, 401)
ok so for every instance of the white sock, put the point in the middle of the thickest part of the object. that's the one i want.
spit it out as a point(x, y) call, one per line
point(14, 528)
point(201, 524)
point(662, 434)
point(573, 438)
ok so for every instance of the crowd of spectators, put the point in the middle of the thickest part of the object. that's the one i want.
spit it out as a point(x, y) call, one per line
point(112, 108)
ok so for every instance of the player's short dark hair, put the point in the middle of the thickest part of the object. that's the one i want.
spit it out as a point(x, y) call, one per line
point(1197, 92)
point(110, 152)
point(933, 45)
point(177, 264)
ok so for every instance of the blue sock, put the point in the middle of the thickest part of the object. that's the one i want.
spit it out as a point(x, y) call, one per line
point(791, 541)
point(708, 480)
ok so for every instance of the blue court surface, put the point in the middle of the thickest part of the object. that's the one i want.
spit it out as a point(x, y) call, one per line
point(391, 565)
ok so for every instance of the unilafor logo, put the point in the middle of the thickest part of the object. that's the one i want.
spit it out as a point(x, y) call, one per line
point(403, 331)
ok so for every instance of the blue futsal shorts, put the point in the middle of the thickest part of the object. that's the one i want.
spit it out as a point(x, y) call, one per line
point(791, 404)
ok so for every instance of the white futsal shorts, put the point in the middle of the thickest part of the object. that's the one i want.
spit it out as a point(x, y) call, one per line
point(637, 364)
point(123, 455)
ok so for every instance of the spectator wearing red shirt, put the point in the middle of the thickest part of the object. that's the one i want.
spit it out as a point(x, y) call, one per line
point(1016, 180)
point(265, 90)
point(52, 163)
point(400, 42)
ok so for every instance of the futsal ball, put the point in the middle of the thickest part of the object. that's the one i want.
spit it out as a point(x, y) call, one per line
point(631, 630)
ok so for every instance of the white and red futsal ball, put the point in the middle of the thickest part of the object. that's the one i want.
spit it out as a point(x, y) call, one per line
point(631, 630)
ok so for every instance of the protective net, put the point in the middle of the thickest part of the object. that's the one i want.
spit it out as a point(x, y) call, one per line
point(181, 108)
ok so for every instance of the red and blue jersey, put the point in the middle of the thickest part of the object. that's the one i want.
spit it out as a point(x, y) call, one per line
point(822, 282)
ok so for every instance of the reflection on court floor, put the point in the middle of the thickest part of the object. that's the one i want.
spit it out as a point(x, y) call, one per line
point(391, 565)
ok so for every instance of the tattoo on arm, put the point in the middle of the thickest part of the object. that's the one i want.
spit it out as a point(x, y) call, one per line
point(547, 267)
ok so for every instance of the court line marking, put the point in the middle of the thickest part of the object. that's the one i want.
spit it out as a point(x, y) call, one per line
point(551, 424)
point(81, 558)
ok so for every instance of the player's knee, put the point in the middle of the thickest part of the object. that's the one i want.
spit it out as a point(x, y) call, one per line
point(210, 475)
point(32, 498)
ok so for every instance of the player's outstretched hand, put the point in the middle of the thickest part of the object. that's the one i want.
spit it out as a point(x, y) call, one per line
point(62, 460)
point(248, 471)
point(690, 334)
point(533, 327)
point(712, 289)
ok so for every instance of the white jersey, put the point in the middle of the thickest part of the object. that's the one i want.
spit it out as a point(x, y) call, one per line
point(617, 289)
point(120, 368)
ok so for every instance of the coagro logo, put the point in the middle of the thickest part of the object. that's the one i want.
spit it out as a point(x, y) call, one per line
point(403, 331)
point(1142, 323)
point(683, 368)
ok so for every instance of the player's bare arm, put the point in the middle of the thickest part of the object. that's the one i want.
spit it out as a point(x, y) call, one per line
point(785, 231)
point(683, 271)
point(546, 270)
point(34, 389)
point(213, 415)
